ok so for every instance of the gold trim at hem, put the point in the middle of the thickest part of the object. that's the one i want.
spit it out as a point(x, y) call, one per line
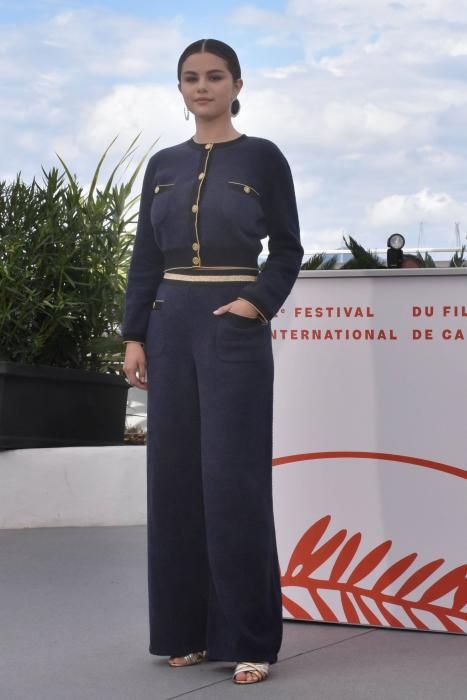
point(209, 278)
point(211, 267)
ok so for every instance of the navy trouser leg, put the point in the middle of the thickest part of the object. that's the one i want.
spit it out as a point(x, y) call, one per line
point(178, 577)
point(210, 422)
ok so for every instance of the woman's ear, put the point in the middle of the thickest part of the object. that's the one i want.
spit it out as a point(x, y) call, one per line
point(239, 85)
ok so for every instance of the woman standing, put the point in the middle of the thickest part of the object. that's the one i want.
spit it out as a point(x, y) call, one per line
point(197, 323)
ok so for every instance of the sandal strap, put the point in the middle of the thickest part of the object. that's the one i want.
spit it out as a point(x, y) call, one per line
point(193, 657)
point(261, 669)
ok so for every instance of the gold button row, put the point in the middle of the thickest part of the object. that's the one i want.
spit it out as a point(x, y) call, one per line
point(194, 209)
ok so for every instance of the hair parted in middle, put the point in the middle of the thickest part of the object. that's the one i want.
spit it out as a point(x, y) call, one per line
point(219, 48)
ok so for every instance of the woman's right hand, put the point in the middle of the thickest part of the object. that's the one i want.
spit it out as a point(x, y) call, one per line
point(134, 364)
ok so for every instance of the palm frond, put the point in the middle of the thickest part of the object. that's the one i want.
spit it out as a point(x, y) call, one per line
point(457, 259)
point(362, 259)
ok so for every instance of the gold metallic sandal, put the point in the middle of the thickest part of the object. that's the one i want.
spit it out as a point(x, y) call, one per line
point(196, 657)
point(260, 670)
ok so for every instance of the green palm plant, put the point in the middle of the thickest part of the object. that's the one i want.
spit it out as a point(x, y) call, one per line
point(362, 259)
point(426, 260)
point(457, 259)
point(64, 257)
point(318, 262)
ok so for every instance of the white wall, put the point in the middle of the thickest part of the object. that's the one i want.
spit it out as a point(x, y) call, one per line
point(73, 486)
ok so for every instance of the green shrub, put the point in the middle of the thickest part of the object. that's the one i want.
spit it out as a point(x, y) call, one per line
point(64, 258)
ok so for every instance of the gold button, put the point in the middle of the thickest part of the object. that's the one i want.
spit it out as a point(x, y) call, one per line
point(195, 246)
point(196, 260)
point(194, 208)
point(200, 176)
point(157, 189)
point(208, 146)
point(247, 189)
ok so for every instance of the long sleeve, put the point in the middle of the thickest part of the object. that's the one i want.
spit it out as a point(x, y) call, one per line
point(275, 281)
point(146, 266)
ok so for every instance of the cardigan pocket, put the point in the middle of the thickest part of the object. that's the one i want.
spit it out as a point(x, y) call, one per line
point(160, 201)
point(242, 207)
point(244, 187)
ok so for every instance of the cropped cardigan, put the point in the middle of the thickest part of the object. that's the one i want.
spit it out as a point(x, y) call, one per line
point(204, 208)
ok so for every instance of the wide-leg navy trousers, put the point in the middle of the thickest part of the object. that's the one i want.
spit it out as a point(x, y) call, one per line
point(213, 568)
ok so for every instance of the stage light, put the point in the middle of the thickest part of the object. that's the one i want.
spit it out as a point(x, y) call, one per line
point(395, 244)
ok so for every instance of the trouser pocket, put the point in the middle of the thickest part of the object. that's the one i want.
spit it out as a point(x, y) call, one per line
point(155, 344)
point(241, 339)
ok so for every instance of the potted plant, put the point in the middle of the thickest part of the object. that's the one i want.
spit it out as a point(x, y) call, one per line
point(64, 257)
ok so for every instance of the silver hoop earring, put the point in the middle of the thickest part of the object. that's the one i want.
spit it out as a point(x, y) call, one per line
point(187, 113)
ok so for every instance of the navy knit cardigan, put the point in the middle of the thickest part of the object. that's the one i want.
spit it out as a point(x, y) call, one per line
point(208, 205)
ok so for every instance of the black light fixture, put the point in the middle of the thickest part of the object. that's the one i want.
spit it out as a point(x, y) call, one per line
point(395, 255)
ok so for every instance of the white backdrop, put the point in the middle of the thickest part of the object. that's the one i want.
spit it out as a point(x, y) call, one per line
point(370, 448)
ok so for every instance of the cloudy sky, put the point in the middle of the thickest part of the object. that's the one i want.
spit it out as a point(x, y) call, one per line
point(367, 99)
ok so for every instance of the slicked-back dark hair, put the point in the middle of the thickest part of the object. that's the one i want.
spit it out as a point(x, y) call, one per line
point(219, 48)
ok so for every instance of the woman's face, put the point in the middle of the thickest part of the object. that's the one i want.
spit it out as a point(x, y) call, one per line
point(205, 75)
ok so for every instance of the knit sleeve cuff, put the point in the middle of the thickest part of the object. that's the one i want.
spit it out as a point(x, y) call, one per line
point(131, 340)
point(264, 319)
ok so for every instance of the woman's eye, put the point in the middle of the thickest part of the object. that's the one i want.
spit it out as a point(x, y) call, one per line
point(213, 77)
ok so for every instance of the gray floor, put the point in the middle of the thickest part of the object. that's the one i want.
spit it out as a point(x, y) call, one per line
point(73, 625)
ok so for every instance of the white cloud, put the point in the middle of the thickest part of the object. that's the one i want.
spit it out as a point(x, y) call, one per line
point(382, 108)
point(305, 187)
point(323, 239)
point(458, 47)
point(283, 72)
point(369, 100)
point(439, 158)
point(112, 44)
point(303, 120)
point(436, 207)
point(127, 109)
point(339, 66)
point(251, 15)
point(64, 67)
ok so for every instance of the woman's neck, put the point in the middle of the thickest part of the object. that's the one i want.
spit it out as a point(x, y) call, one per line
point(206, 135)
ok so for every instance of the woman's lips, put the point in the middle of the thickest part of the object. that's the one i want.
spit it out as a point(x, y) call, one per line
point(203, 99)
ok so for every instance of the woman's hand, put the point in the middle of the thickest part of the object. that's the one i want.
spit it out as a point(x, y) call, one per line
point(134, 364)
point(240, 307)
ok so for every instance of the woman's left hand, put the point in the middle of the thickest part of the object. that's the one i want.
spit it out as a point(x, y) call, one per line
point(240, 307)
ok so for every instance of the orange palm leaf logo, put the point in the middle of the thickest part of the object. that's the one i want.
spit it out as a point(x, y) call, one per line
point(348, 572)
